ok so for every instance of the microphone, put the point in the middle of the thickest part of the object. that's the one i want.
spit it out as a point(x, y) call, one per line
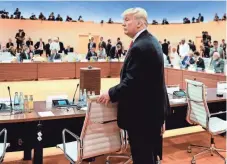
point(11, 104)
point(75, 93)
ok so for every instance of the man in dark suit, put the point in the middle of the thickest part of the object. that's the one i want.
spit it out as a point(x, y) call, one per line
point(141, 94)
point(39, 47)
point(29, 42)
point(62, 48)
point(20, 36)
point(91, 44)
point(91, 53)
point(102, 43)
point(47, 47)
point(54, 56)
point(199, 60)
point(9, 44)
point(119, 41)
point(188, 60)
point(108, 47)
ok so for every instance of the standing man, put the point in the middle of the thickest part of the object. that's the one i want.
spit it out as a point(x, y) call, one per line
point(20, 36)
point(141, 94)
point(102, 43)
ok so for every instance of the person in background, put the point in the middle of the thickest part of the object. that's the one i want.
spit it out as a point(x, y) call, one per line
point(54, 55)
point(91, 53)
point(183, 49)
point(91, 44)
point(188, 60)
point(223, 45)
point(119, 42)
point(39, 47)
point(199, 60)
point(29, 42)
point(54, 45)
point(218, 63)
point(102, 43)
point(25, 55)
point(108, 47)
point(216, 48)
point(201, 50)
point(9, 44)
point(178, 47)
point(67, 50)
point(175, 58)
point(165, 47)
point(20, 38)
point(61, 45)
point(102, 52)
point(31, 50)
point(12, 50)
point(47, 47)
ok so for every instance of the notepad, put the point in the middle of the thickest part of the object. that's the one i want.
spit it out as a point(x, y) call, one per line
point(45, 114)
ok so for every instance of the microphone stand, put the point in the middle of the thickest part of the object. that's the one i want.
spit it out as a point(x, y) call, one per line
point(11, 105)
point(75, 93)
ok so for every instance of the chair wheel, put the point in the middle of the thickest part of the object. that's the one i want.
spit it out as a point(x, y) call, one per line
point(193, 162)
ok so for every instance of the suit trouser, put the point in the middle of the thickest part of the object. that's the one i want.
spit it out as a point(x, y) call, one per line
point(19, 45)
point(145, 145)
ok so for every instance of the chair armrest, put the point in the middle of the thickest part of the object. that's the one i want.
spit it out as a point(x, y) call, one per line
point(73, 135)
point(217, 113)
point(5, 140)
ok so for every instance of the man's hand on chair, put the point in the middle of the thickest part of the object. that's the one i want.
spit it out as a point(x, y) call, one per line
point(104, 98)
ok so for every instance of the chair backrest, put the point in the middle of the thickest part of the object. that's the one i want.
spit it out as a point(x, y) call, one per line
point(198, 111)
point(100, 134)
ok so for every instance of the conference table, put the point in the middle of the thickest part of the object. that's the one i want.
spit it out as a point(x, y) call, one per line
point(23, 129)
point(71, 70)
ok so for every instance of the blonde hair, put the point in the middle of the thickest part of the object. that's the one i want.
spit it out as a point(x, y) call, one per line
point(138, 13)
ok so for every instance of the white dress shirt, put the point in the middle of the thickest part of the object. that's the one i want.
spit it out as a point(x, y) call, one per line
point(175, 59)
point(138, 34)
point(184, 50)
point(54, 46)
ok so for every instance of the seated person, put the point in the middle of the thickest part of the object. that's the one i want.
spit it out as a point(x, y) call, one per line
point(9, 44)
point(91, 53)
point(102, 52)
point(54, 55)
point(218, 63)
point(116, 51)
point(32, 50)
point(12, 51)
point(25, 55)
point(68, 49)
point(174, 58)
point(188, 60)
point(199, 61)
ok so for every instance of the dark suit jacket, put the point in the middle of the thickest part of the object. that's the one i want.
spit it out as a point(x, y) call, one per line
point(57, 56)
point(141, 95)
point(23, 56)
point(165, 48)
point(103, 44)
point(47, 47)
point(88, 46)
point(21, 36)
point(9, 45)
point(200, 63)
point(89, 55)
point(191, 61)
point(114, 54)
point(38, 44)
point(62, 48)
point(28, 43)
point(108, 48)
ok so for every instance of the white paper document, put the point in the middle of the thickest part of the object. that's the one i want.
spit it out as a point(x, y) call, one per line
point(46, 114)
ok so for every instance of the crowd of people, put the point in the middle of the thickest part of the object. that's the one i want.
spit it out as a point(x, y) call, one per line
point(186, 54)
point(17, 15)
point(54, 47)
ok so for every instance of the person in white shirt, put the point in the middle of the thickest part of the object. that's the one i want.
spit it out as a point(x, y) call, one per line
point(184, 49)
point(174, 58)
point(54, 45)
point(102, 52)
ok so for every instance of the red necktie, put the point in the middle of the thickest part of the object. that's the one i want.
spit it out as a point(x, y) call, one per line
point(131, 44)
